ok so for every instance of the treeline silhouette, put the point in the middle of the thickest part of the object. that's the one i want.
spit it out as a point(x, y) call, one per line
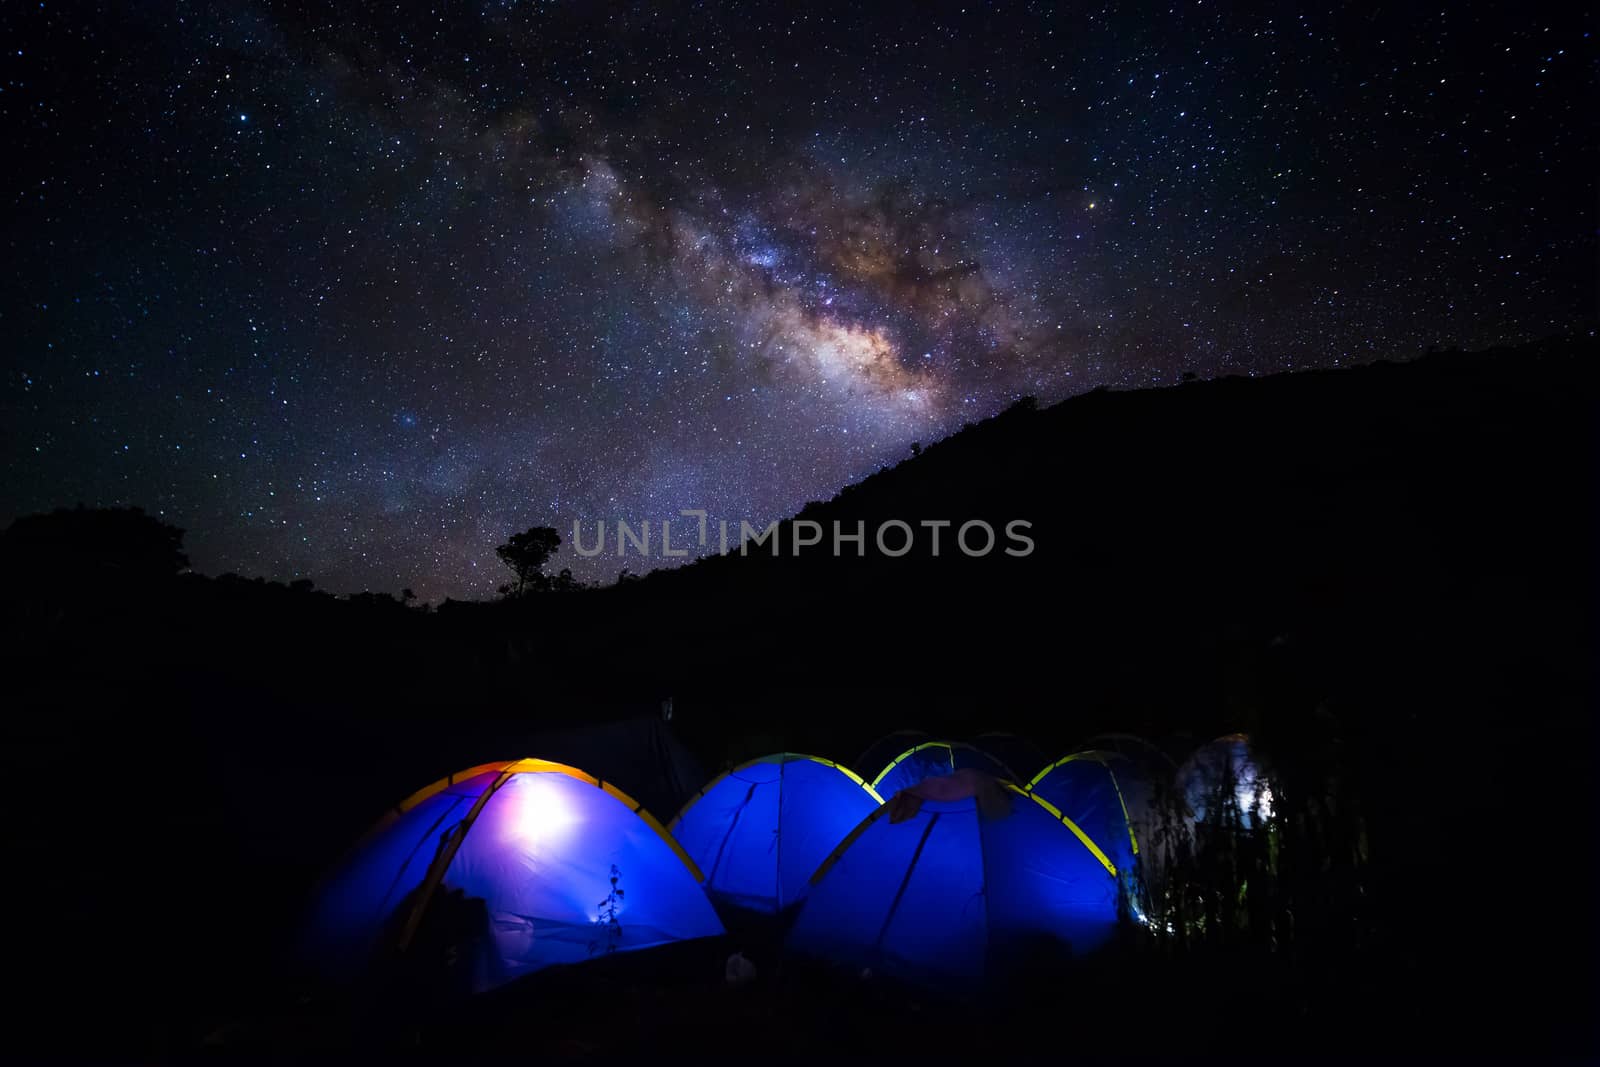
point(1382, 573)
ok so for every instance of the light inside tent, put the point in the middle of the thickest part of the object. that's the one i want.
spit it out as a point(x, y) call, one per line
point(1224, 761)
point(1252, 791)
point(540, 814)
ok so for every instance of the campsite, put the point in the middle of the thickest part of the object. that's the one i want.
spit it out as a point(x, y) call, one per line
point(874, 813)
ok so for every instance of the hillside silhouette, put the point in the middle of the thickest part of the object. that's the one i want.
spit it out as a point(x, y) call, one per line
point(1384, 569)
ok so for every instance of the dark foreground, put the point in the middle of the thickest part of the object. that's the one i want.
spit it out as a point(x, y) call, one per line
point(676, 1006)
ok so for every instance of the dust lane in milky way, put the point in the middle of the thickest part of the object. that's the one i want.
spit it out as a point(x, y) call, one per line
point(353, 301)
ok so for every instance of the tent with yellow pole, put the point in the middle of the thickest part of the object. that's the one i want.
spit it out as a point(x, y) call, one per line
point(932, 759)
point(1106, 795)
point(758, 831)
point(952, 883)
point(521, 865)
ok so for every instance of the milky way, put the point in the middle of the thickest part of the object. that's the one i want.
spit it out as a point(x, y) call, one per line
point(353, 298)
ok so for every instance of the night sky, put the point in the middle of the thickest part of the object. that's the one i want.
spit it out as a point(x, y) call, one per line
point(353, 293)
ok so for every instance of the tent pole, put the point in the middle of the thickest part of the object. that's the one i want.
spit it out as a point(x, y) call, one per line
point(442, 861)
point(904, 882)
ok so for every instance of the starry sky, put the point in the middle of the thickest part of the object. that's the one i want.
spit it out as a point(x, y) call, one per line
point(352, 291)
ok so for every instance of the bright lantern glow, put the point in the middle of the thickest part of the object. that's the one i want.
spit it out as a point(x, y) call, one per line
point(537, 812)
point(1253, 791)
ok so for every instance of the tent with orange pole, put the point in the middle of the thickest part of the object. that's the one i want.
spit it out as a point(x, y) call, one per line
point(530, 863)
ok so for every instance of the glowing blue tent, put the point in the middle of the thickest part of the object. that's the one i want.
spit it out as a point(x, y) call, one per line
point(1105, 795)
point(1224, 783)
point(759, 831)
point(949, 897)
point(522, 865)
point(934, 759)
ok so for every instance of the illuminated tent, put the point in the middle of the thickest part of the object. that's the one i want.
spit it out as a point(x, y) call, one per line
point(934, 759)
point(1224, 781)
point(1105, 795)
point(760, 830)
point(639, 755)
point(948, 897)
point(531, 863)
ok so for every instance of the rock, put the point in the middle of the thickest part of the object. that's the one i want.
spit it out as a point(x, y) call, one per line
point(739, 970)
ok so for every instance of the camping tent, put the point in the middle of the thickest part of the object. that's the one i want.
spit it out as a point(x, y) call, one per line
point(538, 862)
point(1105, 795)
point(1154, 760)
point(933, 759)
point(949, 897)
point(619, 743)
point(883, 751)
point(1020, 756)
point(758, 831)
point(1224, 780)
point(640, 755)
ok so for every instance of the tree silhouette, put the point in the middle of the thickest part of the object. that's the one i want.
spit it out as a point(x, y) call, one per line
point(526, 554)
point(106, 548)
